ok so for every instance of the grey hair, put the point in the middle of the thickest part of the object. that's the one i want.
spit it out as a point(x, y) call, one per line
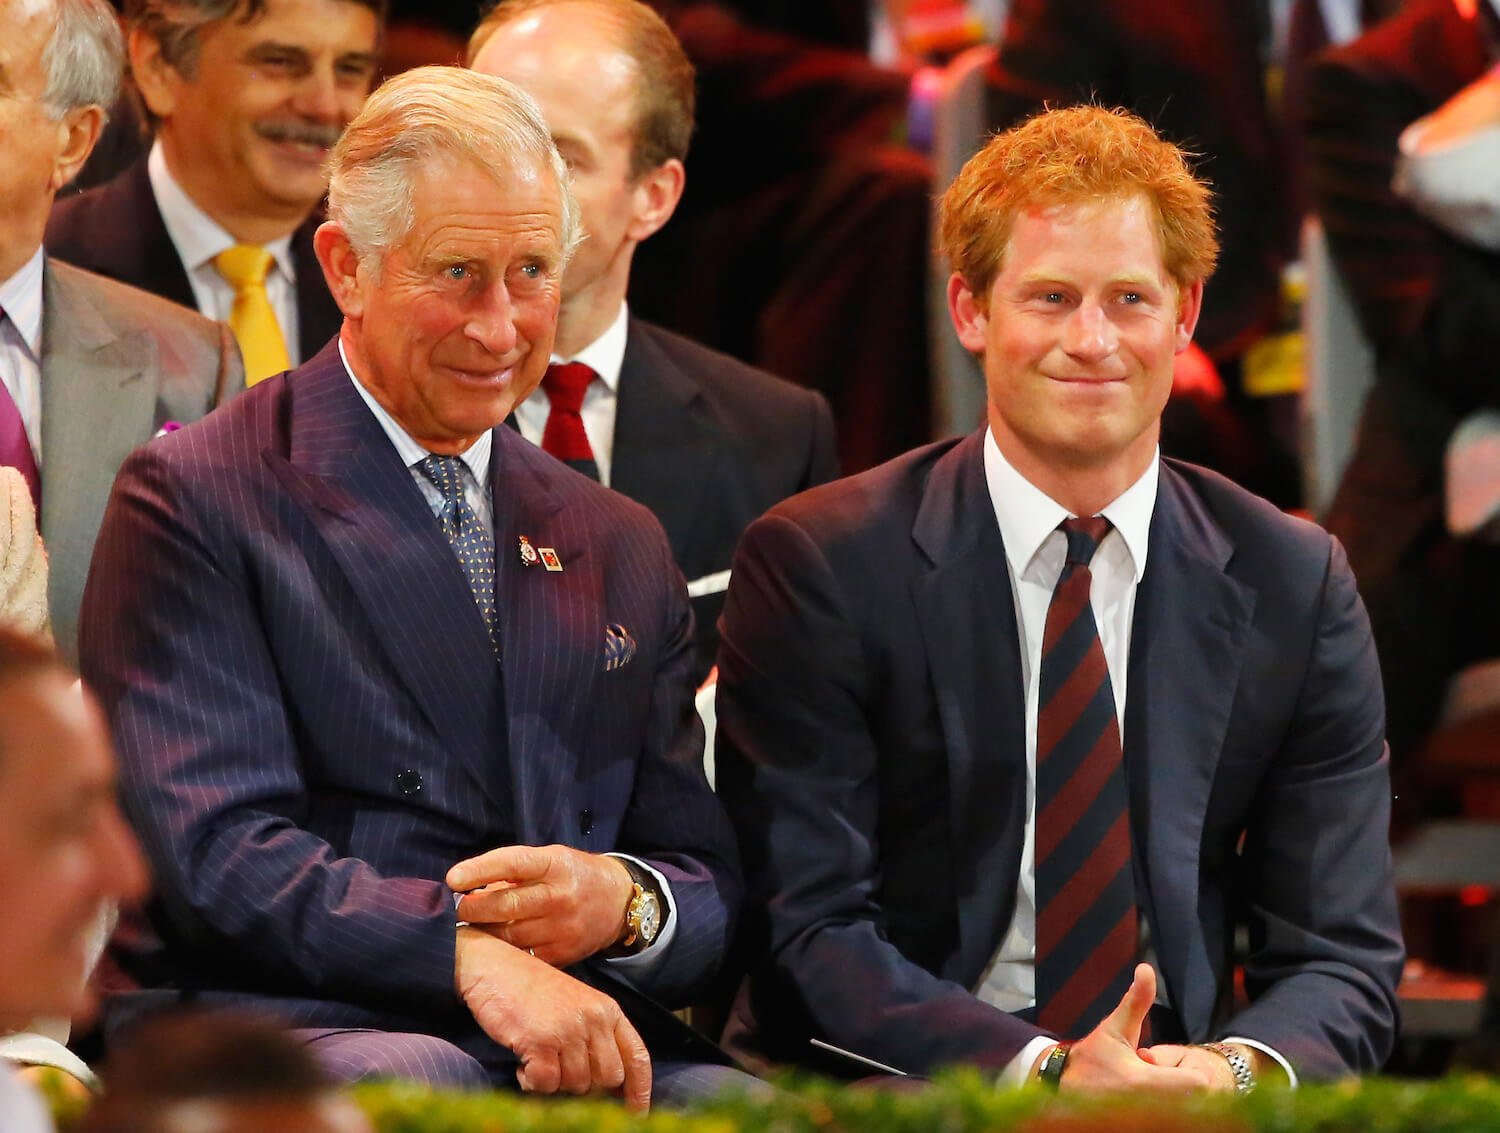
point(430, 114)
point(84, 57)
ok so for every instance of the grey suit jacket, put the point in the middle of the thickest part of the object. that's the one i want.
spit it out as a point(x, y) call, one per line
point(117, 364)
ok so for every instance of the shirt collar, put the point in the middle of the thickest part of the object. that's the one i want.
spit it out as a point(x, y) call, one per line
point(197, 236)
point(476, 456)
point(606, 354)
point(21, 300)
point(1027, 515)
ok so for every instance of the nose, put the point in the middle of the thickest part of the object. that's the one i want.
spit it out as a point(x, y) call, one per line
point(492, 321)
point(122, 867)
point(1091, 334)
point(318, 96)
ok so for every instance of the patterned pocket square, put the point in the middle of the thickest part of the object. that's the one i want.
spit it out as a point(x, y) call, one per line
point(619, 646)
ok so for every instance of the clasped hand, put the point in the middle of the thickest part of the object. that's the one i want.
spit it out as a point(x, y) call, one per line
point(1110, 1056)
point(561, 906)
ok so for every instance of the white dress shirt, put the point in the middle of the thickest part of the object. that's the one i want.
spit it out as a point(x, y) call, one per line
point(198, 238)
point(21, 1107)
point(21, 346)
point(605, 355)
point(1035, 551)
point(476, 462)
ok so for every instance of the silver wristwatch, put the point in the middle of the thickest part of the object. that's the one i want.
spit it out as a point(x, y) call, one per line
point(1239, 1065)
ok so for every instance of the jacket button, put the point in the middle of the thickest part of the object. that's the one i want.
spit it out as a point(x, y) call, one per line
point(585, 822)
point(409, 782)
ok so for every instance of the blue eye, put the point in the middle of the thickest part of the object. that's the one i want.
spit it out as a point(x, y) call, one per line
point(457, 272)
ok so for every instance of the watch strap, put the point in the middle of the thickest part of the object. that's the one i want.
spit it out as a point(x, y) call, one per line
point(1239, 1065)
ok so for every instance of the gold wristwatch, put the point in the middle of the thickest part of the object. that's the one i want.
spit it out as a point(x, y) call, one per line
point(643, 914)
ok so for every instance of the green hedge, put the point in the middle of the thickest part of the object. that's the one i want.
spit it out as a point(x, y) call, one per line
point(959, 1104)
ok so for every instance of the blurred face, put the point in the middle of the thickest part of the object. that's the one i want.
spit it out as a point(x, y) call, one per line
point(455, 326)
point(567, 59)
point(249, 131)
point(1078, 335)
point(30, 140)
point(332, 1114)
point(65, 850)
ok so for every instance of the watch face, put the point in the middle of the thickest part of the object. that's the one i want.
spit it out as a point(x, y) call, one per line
point(650, 917)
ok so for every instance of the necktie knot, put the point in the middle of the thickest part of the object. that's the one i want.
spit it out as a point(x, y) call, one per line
point(565, 384)
point(1084, 537)
point(446, 473)
point(244, 265)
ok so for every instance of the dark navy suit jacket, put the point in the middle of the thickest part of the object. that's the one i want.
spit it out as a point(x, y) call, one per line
point(871, 750)
point(312, 727)
point(708, 444)
point(116, 229)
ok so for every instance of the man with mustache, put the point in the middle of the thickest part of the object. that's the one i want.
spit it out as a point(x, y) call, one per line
point(248, 97)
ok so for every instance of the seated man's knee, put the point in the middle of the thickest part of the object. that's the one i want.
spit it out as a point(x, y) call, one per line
point(354, 1056)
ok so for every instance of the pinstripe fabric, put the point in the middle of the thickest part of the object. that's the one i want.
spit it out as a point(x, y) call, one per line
point(312, 727)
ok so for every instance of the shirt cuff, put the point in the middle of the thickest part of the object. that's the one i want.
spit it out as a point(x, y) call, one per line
point(1017, 1071)
point(1269, 1052)
point(647, 959)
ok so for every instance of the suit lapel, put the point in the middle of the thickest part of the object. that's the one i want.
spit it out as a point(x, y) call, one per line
point(99, 399)
point(551, 632)
point(968, 622)
point(666, 453)
point(1185, 656)
point(141, 251)
point(342, 469)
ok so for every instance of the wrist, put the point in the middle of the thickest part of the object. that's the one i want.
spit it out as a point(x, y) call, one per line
point(1242, 1062)
point(642, 914)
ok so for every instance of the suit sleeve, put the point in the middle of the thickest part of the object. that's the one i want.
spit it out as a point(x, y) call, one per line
point(1422, 296)
point(674, 821)
point(173, 645)
point(798, 767)
point(1325, 943)
point(823, 459)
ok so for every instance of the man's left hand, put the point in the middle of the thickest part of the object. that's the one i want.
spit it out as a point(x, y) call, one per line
point(1212, 1066)
point(560, 904)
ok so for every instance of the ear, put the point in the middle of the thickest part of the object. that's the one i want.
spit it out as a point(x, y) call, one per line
point(79, 130)
point(156, 79)
point(341, 268)
point(655, 198)
point(1189, 307)
point(970, 316)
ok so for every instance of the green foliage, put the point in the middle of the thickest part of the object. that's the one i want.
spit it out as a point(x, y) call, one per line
point(961, 1103)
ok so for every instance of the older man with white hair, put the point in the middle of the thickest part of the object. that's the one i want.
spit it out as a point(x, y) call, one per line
point(89, 368)
point(402, 702)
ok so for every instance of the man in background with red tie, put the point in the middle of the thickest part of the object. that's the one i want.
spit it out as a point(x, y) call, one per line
point(248, 98)
point(1015, 728)
point(88, 368)
point(704, 441)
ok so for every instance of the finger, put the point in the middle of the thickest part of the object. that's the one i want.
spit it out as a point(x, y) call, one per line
point(637, 1063)
point(577, 1073)
point(507, 863)
point(1125, 1021)
point(605, 1062)
point(540, 1073)
point(507, 904)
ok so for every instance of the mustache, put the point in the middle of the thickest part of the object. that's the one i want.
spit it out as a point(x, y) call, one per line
point(310, 133)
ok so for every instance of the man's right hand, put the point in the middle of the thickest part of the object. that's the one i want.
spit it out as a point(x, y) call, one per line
point(569, 1038)
point(1109, 1057)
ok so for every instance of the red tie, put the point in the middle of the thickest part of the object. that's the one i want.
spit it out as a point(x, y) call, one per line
point(564, 436)
point(15, 447)
point(1086, 931)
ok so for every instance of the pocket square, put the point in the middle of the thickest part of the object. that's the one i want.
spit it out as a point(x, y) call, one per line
point(619, 646)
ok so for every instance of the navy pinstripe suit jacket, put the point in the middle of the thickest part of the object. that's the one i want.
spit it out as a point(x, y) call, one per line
point(312, 727)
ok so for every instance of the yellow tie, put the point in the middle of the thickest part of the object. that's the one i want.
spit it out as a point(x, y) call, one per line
point(253, 319)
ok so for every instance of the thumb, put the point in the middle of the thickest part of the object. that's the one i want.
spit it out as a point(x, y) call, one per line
point(1125, 1021)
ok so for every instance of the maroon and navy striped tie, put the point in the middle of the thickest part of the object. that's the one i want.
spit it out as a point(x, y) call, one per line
point(1086, 933)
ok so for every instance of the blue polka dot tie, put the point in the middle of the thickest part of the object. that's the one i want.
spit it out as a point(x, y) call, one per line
point(471, 542)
